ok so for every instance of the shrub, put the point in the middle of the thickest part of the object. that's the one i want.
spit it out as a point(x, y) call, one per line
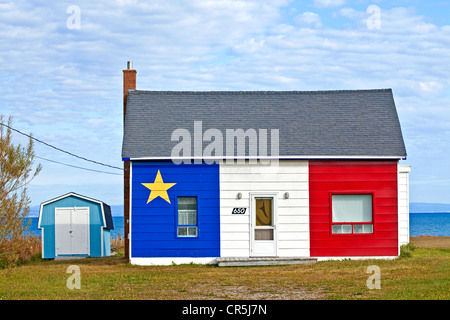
point(16, 172)
point(16, 251)
point(407, 250)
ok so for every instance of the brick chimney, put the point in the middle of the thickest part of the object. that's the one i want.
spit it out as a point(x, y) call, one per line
point(129, 82)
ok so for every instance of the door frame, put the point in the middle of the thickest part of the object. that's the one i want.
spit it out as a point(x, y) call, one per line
point(252, 212)
point(70, 209)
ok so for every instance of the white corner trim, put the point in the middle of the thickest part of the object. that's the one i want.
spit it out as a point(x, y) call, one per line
point(404, 168)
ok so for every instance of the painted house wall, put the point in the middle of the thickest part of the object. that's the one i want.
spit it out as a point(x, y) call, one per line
point(303, 220)
point(403, 204)
point(47, 224)
point(377, 177)
point(292, 214)
point(106, 242)
point(154, 224)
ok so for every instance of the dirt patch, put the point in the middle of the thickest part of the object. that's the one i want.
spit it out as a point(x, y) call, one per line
point(261, 292)
point(431, 242)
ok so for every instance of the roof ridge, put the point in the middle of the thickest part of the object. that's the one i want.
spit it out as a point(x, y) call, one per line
point(257, 91)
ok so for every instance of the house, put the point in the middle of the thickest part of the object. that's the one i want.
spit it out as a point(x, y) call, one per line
point(75, 226)
point(275, 174)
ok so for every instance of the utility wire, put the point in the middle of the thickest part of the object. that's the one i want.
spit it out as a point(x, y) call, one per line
point(70, 165)
point(59, 149)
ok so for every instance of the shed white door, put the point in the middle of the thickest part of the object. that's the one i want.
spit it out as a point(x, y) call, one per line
point(72, 231)
point(263, 227)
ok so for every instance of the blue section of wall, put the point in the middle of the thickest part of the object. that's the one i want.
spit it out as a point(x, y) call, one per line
point(153, 225)
point(106, 242)
point(95, 221)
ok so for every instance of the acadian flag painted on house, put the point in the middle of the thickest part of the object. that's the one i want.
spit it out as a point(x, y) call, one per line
point(175, 210)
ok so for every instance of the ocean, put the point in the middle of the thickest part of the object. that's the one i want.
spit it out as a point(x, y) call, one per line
point(420, 224)
point(117, 221)
point(430, 223)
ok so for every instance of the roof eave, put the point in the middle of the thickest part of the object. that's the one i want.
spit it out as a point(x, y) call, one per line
point(299, 157)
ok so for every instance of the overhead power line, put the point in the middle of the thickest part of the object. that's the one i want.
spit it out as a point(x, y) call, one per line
point(70, 165)
point(61, 150)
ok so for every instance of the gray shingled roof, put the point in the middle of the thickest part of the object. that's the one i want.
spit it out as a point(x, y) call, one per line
point(356, 123)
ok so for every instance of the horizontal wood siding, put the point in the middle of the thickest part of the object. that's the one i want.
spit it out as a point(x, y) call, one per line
point(154, 224)
point(292, 214)
point(376, 177)
point(403, 204)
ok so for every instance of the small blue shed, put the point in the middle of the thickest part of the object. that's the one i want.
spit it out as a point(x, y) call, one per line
point(75, 225)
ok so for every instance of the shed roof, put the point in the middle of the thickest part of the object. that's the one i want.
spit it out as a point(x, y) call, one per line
point(105, 208)
point(311, 124)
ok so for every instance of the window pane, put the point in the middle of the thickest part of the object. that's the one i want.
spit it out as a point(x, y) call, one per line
point(187, 210)
point(358, 228)
point(352, 207)
point(187, 231)
point(187, 217)
point(192, 231)
point(263, 211)
point(363, 228)
point(337, 229)
point(341, 228)
point(368, 228)
point(187, 203)
point(263, 234)
point(182, 231)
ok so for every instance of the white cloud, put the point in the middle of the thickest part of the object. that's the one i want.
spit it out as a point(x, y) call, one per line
point(351, 13)
point(308, 19)
point(328, 3)
point(430, 86)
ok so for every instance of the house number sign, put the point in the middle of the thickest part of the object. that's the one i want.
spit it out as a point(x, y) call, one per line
point(238, 211)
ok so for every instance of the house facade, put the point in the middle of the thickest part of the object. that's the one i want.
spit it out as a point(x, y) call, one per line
point(221, 174)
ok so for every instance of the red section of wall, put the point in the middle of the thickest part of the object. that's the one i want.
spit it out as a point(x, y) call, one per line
point(376, 177)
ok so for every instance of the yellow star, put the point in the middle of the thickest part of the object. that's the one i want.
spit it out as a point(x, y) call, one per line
point(158, 188)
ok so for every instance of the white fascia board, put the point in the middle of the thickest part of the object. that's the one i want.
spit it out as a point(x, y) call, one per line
point(40, 214)
point(304, 157)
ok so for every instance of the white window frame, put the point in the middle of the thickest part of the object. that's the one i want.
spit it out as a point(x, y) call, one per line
point(187, 227)
point(367, 227)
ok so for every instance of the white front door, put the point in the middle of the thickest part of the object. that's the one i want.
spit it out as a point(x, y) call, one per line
point(72, 231)
point(263, 225)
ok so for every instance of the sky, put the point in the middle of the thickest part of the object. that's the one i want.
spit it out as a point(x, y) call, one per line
point(61, 68)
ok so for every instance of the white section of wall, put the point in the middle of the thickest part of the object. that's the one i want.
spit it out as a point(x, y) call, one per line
point(403, 204)
point(292, 213)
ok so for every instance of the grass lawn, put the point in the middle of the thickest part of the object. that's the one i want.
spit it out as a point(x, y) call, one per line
point(425, 275)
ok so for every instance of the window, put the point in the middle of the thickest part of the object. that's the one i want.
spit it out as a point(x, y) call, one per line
point(264, 217)
point(351, 213)
point(187, 217)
